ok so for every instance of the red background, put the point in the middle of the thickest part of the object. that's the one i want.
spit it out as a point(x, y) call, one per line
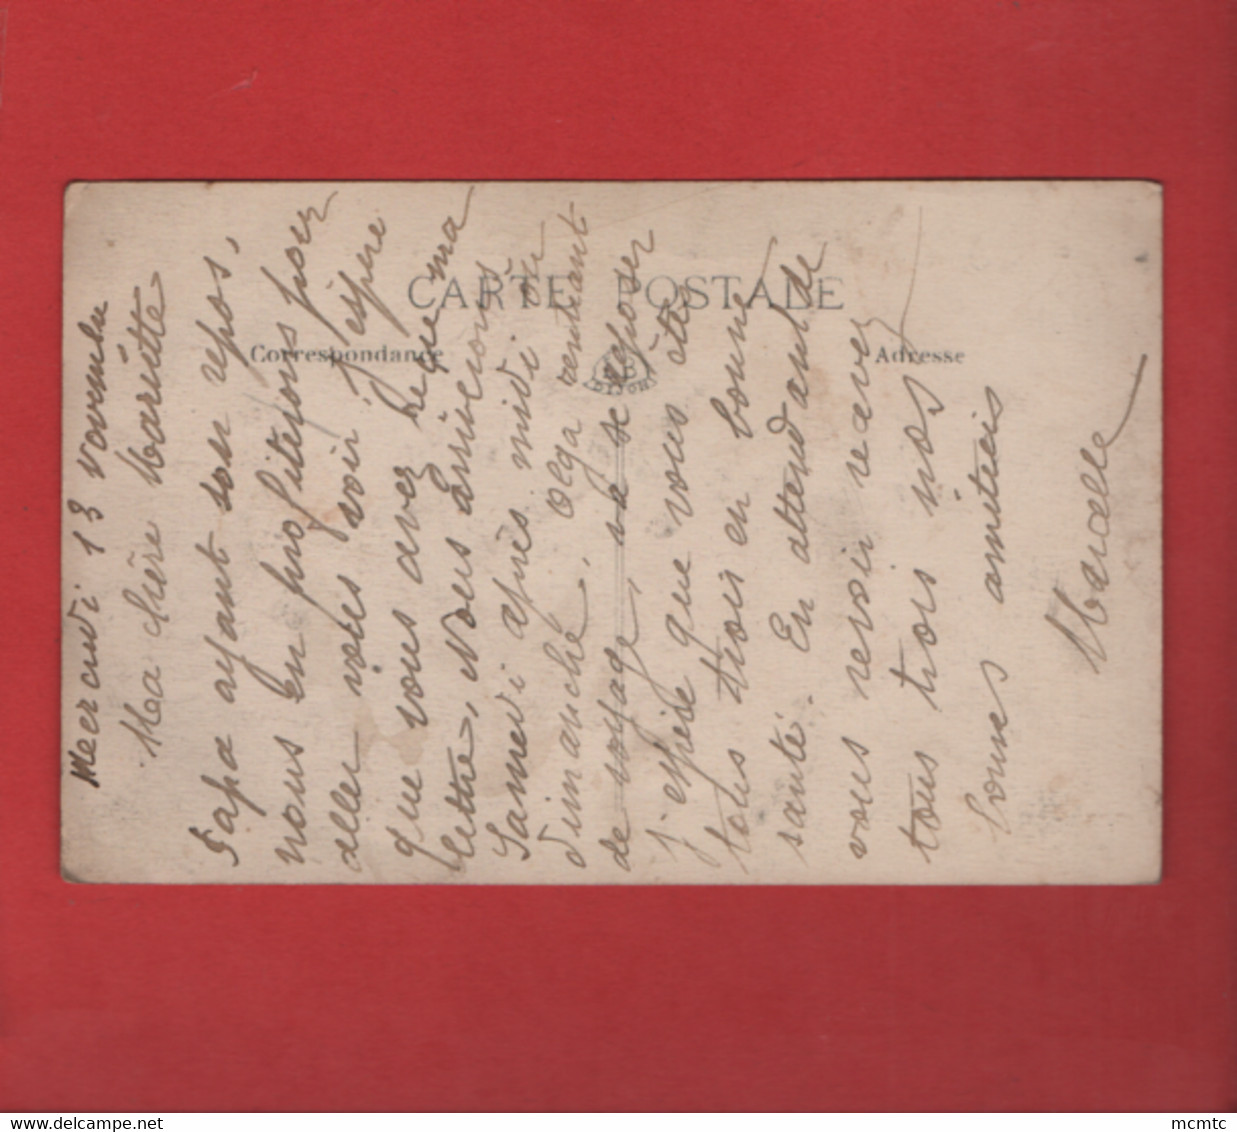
point(425, 998)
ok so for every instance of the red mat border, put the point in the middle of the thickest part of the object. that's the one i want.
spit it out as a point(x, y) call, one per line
point(395, 999)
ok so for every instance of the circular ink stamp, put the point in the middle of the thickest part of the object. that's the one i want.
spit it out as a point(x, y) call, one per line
point(620, 371)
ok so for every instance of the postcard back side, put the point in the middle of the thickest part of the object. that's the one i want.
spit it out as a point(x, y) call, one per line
point(612, 533)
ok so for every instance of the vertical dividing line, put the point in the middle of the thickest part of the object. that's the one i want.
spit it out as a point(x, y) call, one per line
point(620, 611)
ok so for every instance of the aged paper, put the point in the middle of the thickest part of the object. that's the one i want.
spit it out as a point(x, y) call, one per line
point(610, 533)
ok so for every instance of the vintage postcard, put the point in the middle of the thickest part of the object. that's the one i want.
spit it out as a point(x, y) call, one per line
point(588, 533)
